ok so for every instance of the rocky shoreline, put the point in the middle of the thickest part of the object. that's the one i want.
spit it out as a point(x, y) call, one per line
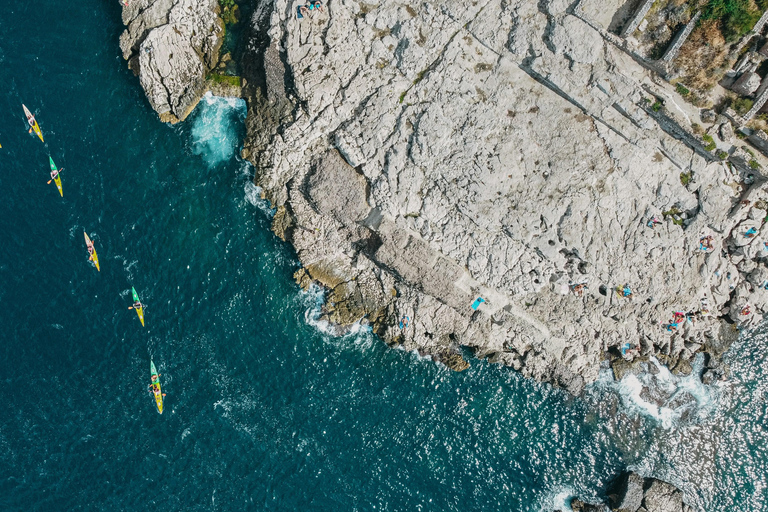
point(503, 152)
point(631, 492)
point(422, 159)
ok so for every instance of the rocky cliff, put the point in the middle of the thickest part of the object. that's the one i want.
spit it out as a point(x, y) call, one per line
point(423, 156)
point(171, 45)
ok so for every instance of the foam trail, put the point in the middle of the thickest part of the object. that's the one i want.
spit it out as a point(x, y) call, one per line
point(253, 196)
point(214, 130)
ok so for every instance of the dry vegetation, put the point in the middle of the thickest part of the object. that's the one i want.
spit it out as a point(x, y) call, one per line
point(703, 57)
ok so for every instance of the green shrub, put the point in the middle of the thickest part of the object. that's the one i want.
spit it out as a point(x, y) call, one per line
point(657, 106)
point(682, 90)
point(753, 164)
point(722, 155)
point(742, 105)
point(696, 127)
point(737, 17)
point(227, 3)
point(686, 178)
point(710, 142)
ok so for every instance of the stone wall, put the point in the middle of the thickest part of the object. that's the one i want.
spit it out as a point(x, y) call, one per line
point(761, 97)
point(760, 140)
point(633, 23)
point(681, 37)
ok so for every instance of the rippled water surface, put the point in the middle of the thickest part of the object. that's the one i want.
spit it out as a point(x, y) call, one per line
point(264, 410)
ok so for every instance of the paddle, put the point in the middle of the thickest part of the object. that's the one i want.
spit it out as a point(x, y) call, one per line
point(50, 180)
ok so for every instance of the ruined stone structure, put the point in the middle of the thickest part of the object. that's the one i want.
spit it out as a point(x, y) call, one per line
point(761, 97)
point(677, 43)
point(747, 83)
point(633, 23)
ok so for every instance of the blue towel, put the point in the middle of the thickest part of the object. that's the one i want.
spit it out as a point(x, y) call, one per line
point(477, 302)
point(298, 12)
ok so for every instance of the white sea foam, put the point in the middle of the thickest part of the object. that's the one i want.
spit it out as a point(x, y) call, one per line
point(214, 129)
point(560, 499)
point(665, 397)
point(253, 196)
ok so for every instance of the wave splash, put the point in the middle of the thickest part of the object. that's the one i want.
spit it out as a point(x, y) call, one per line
point(216, 127)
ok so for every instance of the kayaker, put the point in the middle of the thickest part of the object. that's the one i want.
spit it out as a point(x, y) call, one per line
point(54, 173)
point(137, 305)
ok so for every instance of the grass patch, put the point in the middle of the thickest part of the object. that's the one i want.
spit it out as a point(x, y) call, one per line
point(686, 178)
point(674, 214)
point(753, 164)
point(682, 90)
point(710, 142)
point(722, 155)
point(737, 17)
point(225, 79)
point(402, 96)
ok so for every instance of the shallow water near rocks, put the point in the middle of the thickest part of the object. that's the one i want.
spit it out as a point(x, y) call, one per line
point(265, 409)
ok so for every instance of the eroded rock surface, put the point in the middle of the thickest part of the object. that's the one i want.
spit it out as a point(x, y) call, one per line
point(171, 44)
point(503, 150)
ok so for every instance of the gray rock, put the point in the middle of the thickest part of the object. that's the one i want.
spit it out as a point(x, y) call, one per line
point(708, 115)
point(627, 493)
point(171, 46)
point(726, 132)
point(663, 497)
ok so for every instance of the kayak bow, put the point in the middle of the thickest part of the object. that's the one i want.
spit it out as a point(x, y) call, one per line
point(32, 122)
point(57, 179)
point(156, 391)
point(140, 309)
point(94, 257)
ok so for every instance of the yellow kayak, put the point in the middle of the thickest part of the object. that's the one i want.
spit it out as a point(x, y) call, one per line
point(155, 388)
point(93, 257)
point(32, 122)
point(140, 308)
point(57, 178)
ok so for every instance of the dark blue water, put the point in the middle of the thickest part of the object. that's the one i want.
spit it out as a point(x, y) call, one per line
point(264, 410)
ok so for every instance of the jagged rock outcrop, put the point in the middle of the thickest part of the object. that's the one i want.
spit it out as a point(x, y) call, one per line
point(421, 156)
point(171, 45)
point(631, 492)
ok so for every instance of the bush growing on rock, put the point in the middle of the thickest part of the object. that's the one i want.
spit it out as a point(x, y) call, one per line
point(710, 142)
point(742, 105)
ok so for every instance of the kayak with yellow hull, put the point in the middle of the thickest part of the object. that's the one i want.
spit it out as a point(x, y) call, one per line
point(155, 388)
point(32, 122)
point(93, 257)
point(57, 179)
point(140, 309)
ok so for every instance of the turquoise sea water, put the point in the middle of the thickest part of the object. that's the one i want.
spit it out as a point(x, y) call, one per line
point(265, 410)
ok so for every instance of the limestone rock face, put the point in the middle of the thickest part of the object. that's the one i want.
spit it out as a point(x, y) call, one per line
point(502, 150)
point(171, 45)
